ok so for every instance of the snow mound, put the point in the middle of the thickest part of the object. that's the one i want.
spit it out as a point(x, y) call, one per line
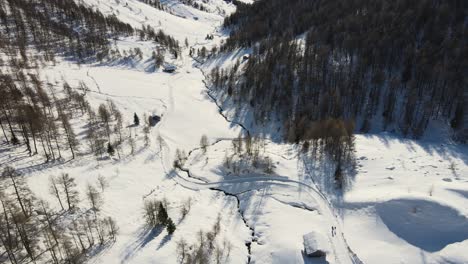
point(424, 224)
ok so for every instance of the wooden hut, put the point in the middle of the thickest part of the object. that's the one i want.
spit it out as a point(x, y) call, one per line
point(315, 245)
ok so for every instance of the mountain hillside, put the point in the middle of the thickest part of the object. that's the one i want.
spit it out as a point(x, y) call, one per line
point(387, 65)
point(211, 131)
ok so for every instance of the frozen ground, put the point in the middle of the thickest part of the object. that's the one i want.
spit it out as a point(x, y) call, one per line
point(408, 197)
point(408, 202)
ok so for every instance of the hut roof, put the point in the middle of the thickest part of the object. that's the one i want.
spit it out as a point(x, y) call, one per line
point(314, 242)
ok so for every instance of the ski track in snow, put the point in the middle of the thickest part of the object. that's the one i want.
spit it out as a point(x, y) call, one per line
point(189, 85)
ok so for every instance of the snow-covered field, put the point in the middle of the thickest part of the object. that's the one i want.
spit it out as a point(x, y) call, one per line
point(408, 197)
point(408, 202)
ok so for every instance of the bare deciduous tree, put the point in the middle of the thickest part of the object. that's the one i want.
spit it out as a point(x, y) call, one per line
point(103, 183)
point(204, 143)
point(69, 188)
point(94, 197)
point(54, 190)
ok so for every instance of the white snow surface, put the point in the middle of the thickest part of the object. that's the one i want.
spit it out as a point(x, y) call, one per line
point(407, 203)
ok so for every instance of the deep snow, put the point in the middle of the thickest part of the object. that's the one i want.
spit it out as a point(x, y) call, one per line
point(407, 202)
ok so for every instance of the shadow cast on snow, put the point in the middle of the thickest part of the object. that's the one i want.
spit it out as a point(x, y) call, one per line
point(144, 237)
point(427, 225)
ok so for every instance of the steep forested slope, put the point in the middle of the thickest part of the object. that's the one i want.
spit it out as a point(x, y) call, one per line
point(391, 65)
point(62, 27)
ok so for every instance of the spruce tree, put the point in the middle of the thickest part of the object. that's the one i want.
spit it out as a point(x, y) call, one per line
point(136, 120)
point(170, 226)
point(110, 149)
point(162, 215)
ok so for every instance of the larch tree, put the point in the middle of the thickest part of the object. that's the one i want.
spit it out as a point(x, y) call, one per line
point(68, 186)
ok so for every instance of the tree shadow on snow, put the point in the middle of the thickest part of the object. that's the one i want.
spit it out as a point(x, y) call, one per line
point(313, 260)
point(165, 239)
point(427, 225)
point(145, 236)
point(446, 151)
point(463, 193)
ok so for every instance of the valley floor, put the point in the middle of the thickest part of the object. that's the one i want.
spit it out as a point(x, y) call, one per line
point(407, 202)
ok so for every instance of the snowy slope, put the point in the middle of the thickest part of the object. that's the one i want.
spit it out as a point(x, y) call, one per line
point(181, 21)
point(407, 203)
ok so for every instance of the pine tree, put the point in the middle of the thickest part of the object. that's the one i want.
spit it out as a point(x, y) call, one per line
point(170, 226)
point(110, 149)
point(162, 215)
point(136, 120)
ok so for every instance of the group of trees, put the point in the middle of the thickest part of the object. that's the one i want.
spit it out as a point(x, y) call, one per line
point(67, 28)
point(32, 113)
point(330, 141)
point(155, 213)
point(55, 26)
point(196, 4)
point(154, 3)
point(207, 249)
point(391, 65)
point(149, 33)
point(200, 5)
point(31, 231)
point(247, 156)
point(105, 131)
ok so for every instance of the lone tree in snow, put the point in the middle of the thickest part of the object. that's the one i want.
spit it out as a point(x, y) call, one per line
point(180, 159)
point(136, 120)
point(113, 229)
point(110, 149)
point(204, 143)
point(94, 197)
point(103, 183)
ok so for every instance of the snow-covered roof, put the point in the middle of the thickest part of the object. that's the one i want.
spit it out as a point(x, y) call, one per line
point(314, 242)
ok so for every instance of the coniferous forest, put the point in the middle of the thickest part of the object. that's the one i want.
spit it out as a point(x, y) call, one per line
point(388, 65)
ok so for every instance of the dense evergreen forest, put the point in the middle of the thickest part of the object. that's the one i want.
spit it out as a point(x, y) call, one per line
point(390, 65)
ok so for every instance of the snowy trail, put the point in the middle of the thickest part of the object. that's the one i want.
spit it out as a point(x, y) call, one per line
point(341, 251)
point(163, 103)
point(343, 254)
